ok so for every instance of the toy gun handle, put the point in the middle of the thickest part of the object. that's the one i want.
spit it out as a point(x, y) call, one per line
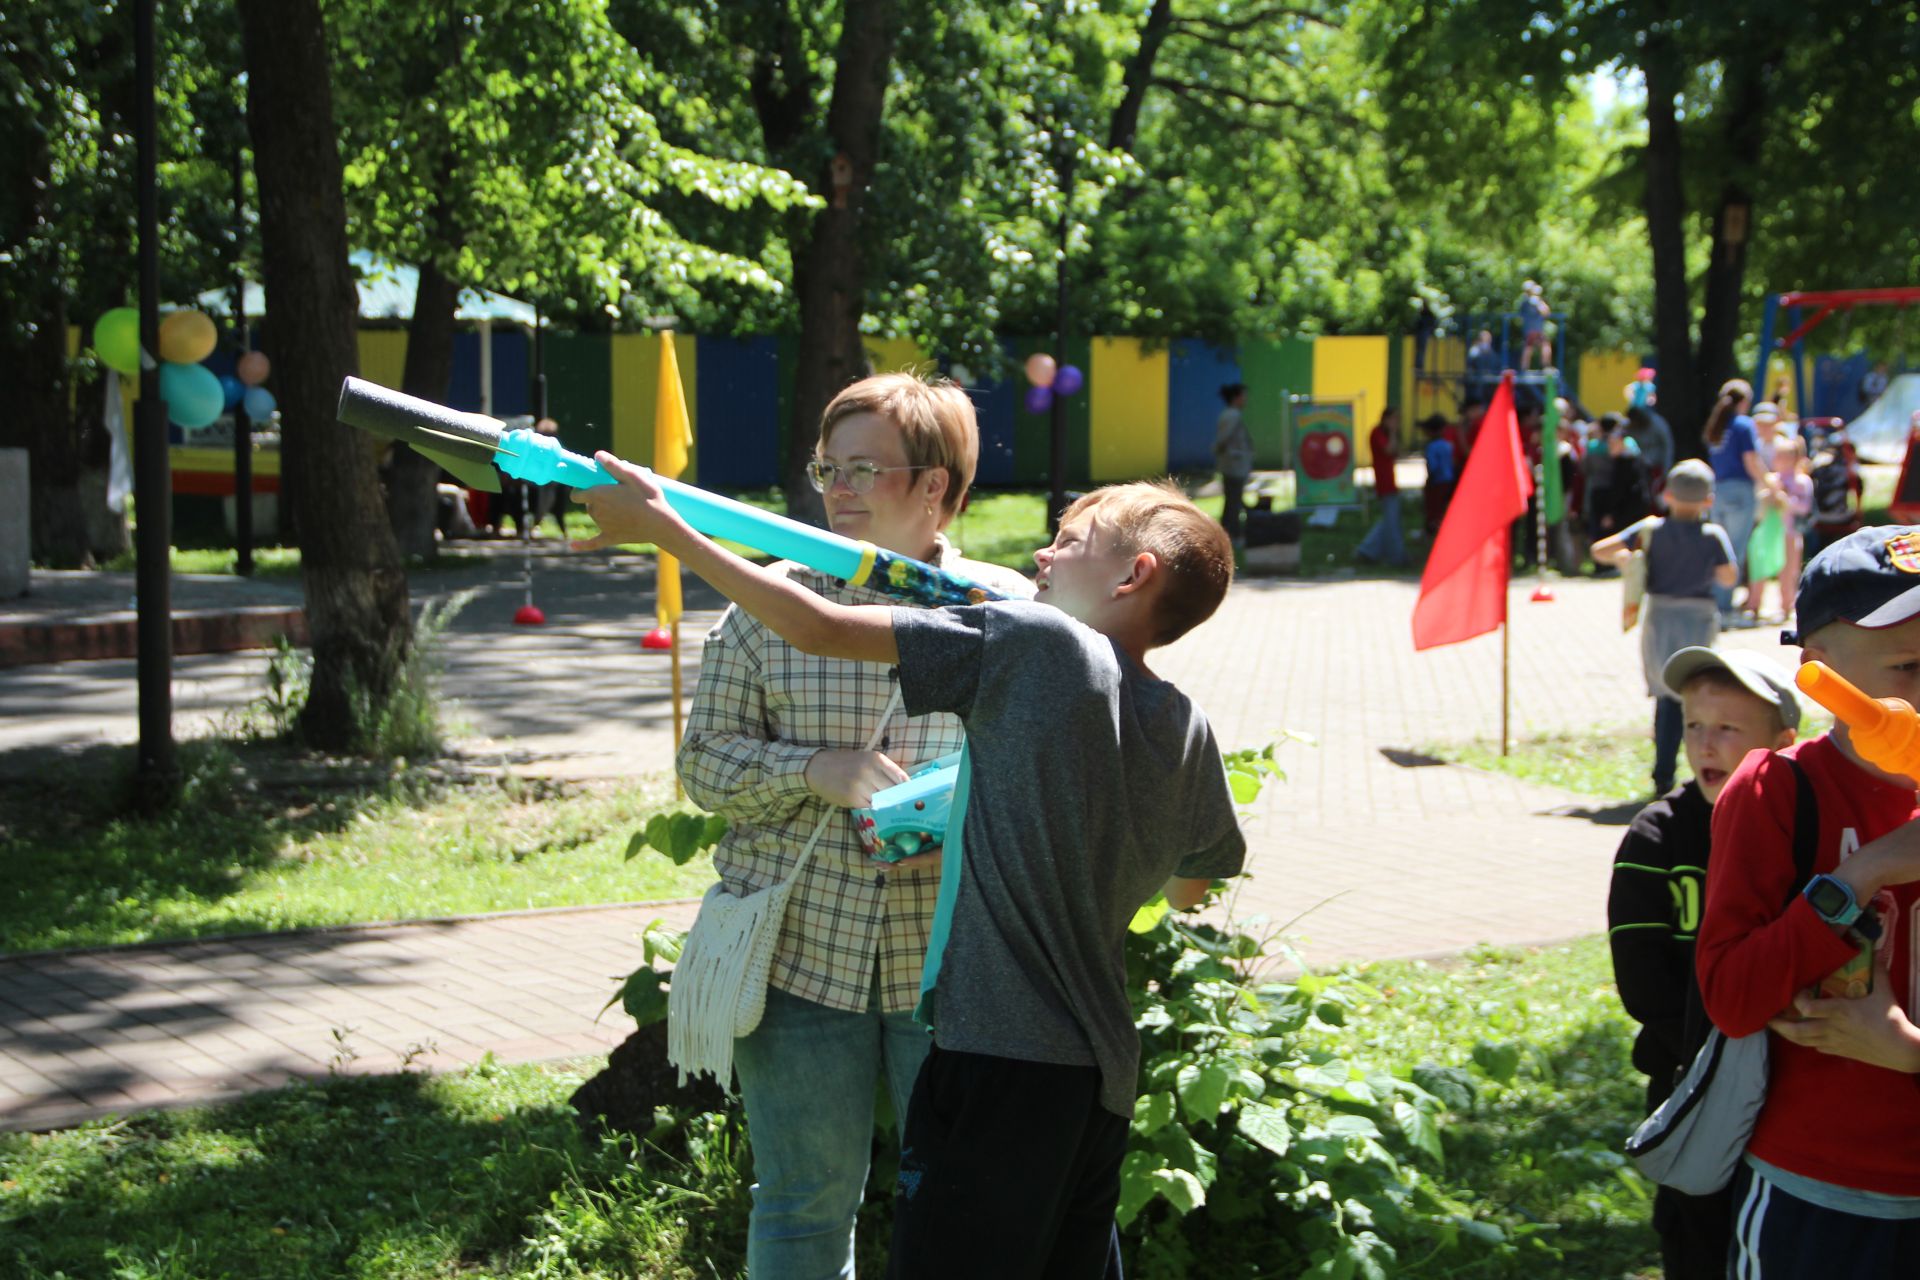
point(1885, 731)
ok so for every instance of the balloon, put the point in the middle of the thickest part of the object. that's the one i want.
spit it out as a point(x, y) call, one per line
point(1040, 369)
point(187, 337)
point(1039, 399)
point(1068, 380)
point(192, 394)
point(231, 389)
point(253, 368)
point(260, 403)
point(116, 337)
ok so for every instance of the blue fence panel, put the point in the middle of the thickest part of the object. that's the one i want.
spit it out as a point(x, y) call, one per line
point(1195, 373)
point(1836, 385)
point(993, 404)
point(737, 383)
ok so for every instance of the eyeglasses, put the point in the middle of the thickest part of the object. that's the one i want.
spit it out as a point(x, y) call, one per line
point(858, 475)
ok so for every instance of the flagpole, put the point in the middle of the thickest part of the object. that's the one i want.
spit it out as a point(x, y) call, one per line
point(1505, 626)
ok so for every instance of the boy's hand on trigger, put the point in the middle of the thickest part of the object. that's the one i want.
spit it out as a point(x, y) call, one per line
point(635, 510)
point(1872, 1029)
point(848, 779)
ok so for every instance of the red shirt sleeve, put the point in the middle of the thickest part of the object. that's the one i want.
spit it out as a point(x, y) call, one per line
point(1753, 957)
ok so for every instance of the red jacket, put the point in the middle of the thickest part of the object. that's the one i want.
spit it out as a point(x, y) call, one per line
point(1825, 1117)
point(1385, 483)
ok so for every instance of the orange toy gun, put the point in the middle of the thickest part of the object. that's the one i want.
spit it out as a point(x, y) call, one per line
point(1885, 731)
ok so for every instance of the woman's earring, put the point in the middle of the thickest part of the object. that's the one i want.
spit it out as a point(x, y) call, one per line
point(929, 508)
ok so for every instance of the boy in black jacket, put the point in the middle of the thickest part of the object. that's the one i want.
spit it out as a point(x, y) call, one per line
point(1733, 703)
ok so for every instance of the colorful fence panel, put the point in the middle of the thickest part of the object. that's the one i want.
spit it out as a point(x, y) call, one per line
point(1195, 373)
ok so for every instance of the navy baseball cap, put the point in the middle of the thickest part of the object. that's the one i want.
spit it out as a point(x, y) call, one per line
point(1870, 578)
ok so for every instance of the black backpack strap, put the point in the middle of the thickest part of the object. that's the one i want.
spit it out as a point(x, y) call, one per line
point(1806, 829)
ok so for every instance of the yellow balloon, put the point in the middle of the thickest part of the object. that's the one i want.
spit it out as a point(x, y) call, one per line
point(187, 337)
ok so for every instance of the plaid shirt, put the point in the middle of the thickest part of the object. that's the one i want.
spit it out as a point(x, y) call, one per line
point(760, 712)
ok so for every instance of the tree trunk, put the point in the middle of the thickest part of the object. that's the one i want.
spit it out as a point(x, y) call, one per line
point(1745, 109)
point(1681, 401)
point(428, 373)
point(33, 335)
point(1139, 74)
point(830, 265)
point(356, 592)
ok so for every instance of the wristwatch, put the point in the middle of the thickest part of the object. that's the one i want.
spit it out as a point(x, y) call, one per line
point(1832, 900)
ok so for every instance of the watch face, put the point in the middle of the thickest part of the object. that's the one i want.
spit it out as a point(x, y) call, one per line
point(1828, 898)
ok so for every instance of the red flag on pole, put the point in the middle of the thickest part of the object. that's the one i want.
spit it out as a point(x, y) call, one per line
point(1463, 592)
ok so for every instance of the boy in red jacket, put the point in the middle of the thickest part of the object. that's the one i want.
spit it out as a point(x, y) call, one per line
point(1830, 1186)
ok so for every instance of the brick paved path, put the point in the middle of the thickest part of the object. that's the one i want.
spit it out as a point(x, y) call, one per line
point(1384, 858)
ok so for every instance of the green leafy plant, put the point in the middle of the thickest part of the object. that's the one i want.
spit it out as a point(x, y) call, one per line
point(681, 836)
point(644, 992)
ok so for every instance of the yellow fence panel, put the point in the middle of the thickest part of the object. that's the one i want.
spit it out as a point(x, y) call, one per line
point(1354, 368)
point(1127, 436)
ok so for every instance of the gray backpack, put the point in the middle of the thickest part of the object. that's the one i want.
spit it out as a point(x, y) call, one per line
point(1696, 1138)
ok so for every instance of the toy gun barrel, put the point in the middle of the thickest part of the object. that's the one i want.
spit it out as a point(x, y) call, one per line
point(1841, 696)
point(470, 445)
point(1886, 732)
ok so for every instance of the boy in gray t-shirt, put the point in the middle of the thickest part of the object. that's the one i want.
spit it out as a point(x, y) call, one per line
point(1088, 784)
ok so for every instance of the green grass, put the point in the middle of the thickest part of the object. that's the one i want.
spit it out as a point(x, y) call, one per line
point(1613, 763)
point(483, 1173)
point(1541, 1147)
point(263, 841)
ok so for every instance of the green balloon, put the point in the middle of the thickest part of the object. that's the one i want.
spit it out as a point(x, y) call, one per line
point(117, 339)
point(192, 393)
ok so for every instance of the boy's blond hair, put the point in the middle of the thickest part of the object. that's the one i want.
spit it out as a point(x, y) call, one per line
point(1194, 552)
point(935, 419)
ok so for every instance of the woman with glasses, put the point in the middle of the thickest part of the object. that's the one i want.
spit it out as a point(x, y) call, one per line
point(774, 737)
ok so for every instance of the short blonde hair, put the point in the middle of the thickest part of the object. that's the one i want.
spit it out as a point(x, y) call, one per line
point(934, 417)
point(1194, 551)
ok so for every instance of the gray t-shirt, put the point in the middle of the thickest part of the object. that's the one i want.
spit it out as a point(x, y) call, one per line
point(1681, 554)
point(1088, 783)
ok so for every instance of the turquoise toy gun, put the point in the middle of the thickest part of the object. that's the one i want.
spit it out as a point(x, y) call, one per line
point(472, 445)
point(910, 817)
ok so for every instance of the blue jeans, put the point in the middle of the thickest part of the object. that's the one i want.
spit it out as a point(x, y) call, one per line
point(1383, 543)
point(807, 1077)
point(1733, 510)
point(1669, 728)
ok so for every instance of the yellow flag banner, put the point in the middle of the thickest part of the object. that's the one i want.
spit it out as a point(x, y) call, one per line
point(672, 438)
point(667, 590)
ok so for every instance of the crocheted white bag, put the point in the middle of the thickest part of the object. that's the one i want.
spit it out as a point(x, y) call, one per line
point(719, 987)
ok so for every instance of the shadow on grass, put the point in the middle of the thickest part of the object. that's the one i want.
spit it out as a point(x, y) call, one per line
point(395, 1177)
point(1609, 815)
point(85, 868)
point(1548, 1153)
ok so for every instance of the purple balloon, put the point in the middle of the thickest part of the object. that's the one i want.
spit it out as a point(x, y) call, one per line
point(1068, 380)
point(1039, 399)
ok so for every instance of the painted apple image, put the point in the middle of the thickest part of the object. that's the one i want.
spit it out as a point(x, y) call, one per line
point(1323, 454)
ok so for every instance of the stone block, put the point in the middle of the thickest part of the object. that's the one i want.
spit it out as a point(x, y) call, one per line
point(16, 525)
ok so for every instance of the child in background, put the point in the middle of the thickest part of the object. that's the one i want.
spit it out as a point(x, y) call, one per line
point(1791, 504)
point(1733, 703)
point(1686, 556)
point(1441, 470)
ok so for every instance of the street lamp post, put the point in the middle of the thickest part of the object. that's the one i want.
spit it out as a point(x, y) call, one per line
point(156, 774)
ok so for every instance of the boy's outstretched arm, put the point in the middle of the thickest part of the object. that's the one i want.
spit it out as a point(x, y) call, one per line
point(636, 511)
point(1184, 893)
